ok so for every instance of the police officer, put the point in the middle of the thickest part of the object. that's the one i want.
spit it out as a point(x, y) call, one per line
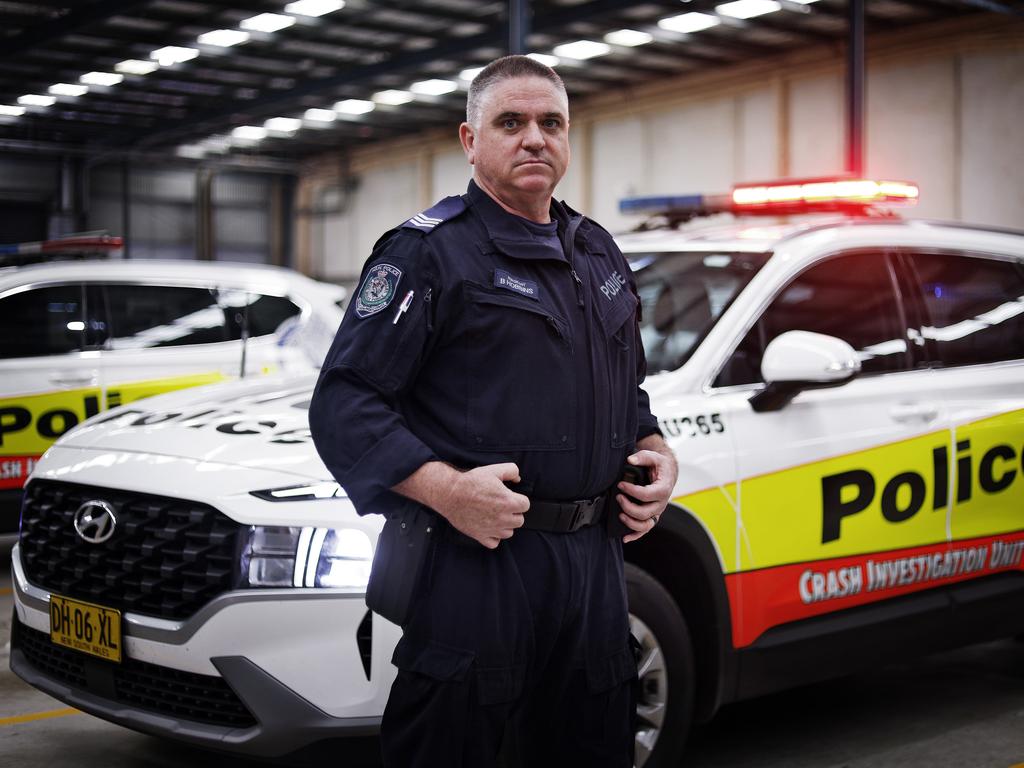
point(489, 368)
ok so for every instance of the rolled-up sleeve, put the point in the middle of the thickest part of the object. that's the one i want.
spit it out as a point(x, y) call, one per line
point(353, 417)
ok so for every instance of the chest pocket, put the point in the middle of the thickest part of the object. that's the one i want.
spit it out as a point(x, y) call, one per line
point(618, 326)
point(520, 381)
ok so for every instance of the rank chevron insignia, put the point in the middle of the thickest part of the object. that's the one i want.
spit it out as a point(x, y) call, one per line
point(443, 211)
point(424, 221)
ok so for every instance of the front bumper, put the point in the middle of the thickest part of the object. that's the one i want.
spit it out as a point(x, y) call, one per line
point(262, 673)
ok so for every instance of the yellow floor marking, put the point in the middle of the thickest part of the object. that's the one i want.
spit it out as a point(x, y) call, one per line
point(37, 716)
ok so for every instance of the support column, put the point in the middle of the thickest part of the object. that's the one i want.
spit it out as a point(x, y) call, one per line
point(518, 26)
point(204, 214)
point(855, 80)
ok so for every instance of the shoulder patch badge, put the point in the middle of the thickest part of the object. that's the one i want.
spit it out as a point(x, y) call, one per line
point(379, 288)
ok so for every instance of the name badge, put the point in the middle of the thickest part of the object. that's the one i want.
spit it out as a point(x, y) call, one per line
point(503, 279)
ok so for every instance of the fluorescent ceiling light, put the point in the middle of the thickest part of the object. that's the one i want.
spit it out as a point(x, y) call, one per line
point(628, 37)
point(689, 22)
point(747, 9)
point(543, 58)
point(283, 124)
point(217, 143)
point(803, 2)
point(354, 107)
point(101, 78)
point(67, 89)
point(9, 111)
point(392, 97)
point(321, 115)
point(469, 74)
point(223, 38)
point(433, 87)
point(249, 133)
point(582, 49)
point(267, 22)
point(35, 100)
point(195, 151)
point(173, 54)
point(136, 67)
point(314, 7)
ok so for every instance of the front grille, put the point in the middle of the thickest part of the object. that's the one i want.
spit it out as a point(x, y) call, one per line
point(167, 557)
point(184, 695)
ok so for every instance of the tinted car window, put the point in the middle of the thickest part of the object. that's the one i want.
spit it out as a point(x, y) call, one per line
point(144, 316)
point(266, 313)
point(975, 307)
point(681, 297)
point(850, 297)
point(42, 321)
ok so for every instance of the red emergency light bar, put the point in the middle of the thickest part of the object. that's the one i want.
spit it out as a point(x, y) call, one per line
point(826, 194)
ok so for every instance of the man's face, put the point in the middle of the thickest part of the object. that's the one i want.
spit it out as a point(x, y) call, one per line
point(520, 149)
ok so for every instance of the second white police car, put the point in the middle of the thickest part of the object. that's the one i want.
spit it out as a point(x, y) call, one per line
point(79, 337)
point(846, 398)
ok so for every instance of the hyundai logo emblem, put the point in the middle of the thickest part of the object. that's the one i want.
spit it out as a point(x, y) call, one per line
point(95, 521)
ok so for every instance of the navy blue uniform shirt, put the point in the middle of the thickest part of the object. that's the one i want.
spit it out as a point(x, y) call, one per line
point(474, 341)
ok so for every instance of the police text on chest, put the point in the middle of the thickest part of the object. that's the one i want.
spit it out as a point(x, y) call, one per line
point(612, 285)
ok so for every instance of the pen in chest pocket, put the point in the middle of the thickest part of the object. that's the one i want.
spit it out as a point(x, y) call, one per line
point(403, 307)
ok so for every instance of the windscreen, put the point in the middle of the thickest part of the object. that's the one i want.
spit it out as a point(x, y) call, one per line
point(682, 295)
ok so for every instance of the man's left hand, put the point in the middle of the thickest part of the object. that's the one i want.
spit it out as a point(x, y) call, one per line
point(642, 515)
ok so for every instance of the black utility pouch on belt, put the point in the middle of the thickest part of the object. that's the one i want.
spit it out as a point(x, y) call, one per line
point(399, 560)
point(638, 475)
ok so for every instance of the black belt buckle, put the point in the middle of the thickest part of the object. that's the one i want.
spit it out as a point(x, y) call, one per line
point(584, 514)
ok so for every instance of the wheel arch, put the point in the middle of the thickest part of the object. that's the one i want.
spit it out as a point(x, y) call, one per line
point(679, 554)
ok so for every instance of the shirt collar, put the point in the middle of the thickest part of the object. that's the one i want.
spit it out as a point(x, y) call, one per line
point(507, 235)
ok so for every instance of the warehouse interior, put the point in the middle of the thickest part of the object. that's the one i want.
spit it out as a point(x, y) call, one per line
point(212, 131)
point(804, 225)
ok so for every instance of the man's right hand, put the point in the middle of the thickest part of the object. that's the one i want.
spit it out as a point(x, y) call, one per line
point(476, 502)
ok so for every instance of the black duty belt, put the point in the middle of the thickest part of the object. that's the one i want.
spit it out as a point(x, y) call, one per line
point(564, 516)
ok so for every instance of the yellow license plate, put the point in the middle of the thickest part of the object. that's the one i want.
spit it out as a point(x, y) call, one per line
point(86, 627)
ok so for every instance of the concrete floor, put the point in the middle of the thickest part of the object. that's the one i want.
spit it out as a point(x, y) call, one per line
point(963, 709)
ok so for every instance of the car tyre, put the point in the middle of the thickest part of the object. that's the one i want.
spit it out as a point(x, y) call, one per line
point(665, 693)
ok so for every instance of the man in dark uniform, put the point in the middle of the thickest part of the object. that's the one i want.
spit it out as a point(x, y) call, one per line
point(489, 368)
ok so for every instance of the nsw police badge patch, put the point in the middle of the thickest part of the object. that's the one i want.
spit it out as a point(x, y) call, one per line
point(378, 289)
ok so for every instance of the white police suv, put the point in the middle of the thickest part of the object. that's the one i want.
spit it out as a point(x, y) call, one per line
point(844, 392)
point(79, 337)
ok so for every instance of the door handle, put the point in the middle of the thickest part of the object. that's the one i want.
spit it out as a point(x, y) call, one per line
point(909, 412)
point(70, 379)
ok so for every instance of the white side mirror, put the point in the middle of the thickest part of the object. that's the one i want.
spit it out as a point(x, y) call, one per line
point(799, 360)
point(809, 357)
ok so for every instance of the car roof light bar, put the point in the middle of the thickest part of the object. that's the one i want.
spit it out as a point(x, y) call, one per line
point(101, 243)
point(777, 198)
point(824, 194)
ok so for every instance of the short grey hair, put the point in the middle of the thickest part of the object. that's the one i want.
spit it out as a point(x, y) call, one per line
point(502, 69)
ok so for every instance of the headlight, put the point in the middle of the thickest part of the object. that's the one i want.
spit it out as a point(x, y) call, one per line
point(306, 557)
point(305, 492)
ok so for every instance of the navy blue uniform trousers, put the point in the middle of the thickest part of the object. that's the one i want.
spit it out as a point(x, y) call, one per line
point(526, 645)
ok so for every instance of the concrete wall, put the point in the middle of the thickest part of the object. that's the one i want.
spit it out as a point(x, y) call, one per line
point(945, 108)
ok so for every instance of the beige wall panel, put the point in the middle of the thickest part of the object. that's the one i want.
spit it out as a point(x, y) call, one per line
point(757, 155)
point(619, 168)
point(692, 148)
point(911, 134)
point(334, 257)
point(992, 158)
point(571, 187)
point(816, 126)
point(386, 196)
point(451, 173)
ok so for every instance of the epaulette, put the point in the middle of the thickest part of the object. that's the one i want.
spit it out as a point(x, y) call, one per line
point(445, 210)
